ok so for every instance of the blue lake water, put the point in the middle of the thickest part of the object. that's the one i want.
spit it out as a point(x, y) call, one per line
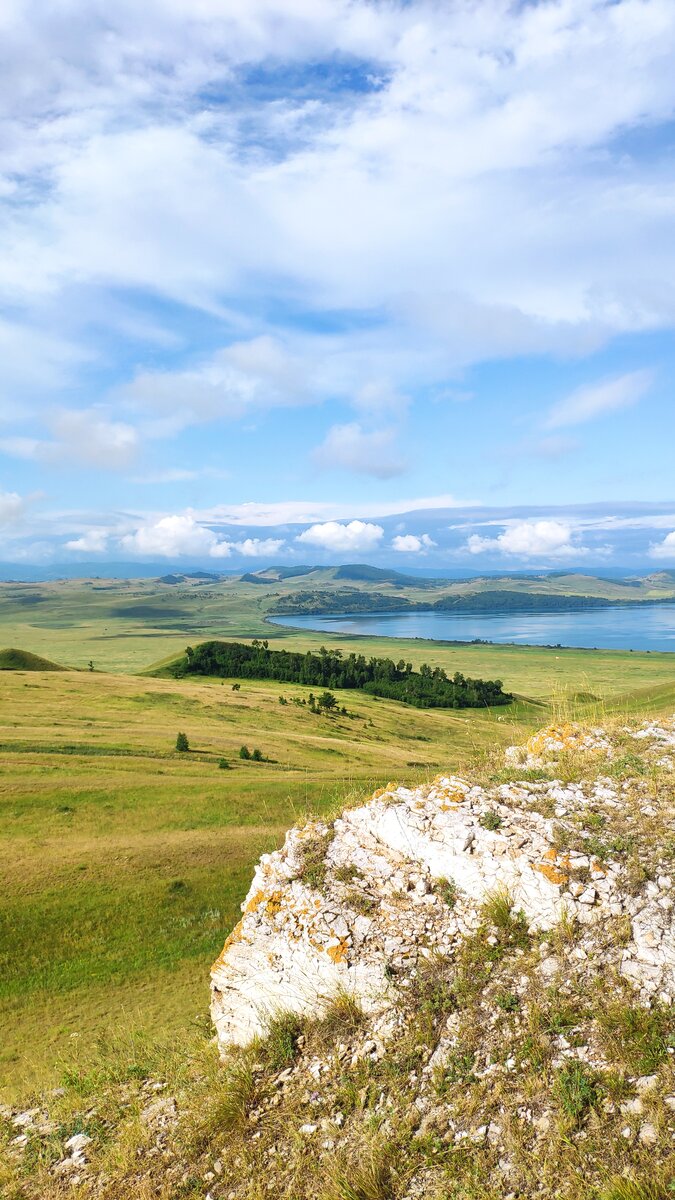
point(650, 627)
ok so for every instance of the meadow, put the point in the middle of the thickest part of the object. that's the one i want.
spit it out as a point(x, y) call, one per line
point(123, 861)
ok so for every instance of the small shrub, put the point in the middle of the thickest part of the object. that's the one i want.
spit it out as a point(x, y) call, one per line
point(283, 700)
point(223, 764)
point(279, 1047)
point(497, 908)
point(360, 901)
point(257, 755)
point(576, 1091)
point(346, 873)
point(447, 890)
point(508, 1001)
point(490, 820)
point(458, 1069)
point(236, 687)
point(244, 752)
point(314, 868)
point(182, 743)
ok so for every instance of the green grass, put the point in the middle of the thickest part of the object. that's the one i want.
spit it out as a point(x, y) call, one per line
point(123, 861)
point(23, 660)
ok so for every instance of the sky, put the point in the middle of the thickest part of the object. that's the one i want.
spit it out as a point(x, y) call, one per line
point(337, 280)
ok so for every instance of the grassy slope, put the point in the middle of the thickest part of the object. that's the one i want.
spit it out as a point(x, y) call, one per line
point(122, 859)
point(23, 660)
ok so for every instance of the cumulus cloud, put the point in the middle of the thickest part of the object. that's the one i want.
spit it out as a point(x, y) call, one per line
point(664, 549)
point(598, 399)
point(351, 448)
point(173, 537)
point(258, 547)
point(355, 537)
point(94, 541)
point(12, 508)
point(183, 536)
point(530, 539)
point(237, 379)
point(411, 543)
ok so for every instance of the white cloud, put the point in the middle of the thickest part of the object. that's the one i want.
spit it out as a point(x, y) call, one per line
point(530, 539)
point(357, 537)
point(258, 547)
point(95, 541)
point(236, 380)
point(173, 537)
point(411, 543)
point(12, 508)
point(351, 448)
point(302, 512)
point(485, 118)
point(664, 549)
point(89, 437)
point(83, 436)
point(595, 400)
point(179, 536)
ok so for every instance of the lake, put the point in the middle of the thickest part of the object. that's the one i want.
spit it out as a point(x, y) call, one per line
point(648, 627)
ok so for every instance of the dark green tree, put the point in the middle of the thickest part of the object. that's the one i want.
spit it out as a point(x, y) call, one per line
point(244, 752)
point(182, 743)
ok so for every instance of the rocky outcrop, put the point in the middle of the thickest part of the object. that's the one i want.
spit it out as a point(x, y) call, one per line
point(344, 905)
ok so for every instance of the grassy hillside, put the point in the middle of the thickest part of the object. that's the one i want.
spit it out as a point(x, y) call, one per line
point(123, 861)
point(23, 660)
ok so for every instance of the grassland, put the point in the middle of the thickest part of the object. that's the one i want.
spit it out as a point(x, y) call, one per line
point(123, 861)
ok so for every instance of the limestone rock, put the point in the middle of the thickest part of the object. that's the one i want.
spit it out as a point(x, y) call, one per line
point(342, 907)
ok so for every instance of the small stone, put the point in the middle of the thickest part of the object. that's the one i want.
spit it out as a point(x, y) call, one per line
point(308, 1130)
point(648, 1135)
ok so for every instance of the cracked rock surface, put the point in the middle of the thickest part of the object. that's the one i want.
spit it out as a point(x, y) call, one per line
point(341, 906)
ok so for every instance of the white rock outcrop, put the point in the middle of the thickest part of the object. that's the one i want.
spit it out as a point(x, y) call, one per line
point(342, 906)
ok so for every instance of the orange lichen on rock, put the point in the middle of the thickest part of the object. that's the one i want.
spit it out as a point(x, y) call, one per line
point(338, 953)
point(551, 872)
point(254, 902)
point(232, 938)
point(273, 904)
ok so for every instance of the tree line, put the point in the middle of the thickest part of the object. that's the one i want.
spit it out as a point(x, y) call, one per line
point(429, 687)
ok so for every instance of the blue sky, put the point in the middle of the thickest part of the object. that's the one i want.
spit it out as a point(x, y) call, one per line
point(316, 280)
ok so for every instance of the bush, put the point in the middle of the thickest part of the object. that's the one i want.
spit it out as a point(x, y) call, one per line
point(576, 1091)
point(490, 820)
point(244, 752)
point(182, 743)
point(257, 755)
point(224, 764)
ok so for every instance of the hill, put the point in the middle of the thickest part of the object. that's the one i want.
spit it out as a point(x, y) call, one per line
point(459, 990)
point(23, 660)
